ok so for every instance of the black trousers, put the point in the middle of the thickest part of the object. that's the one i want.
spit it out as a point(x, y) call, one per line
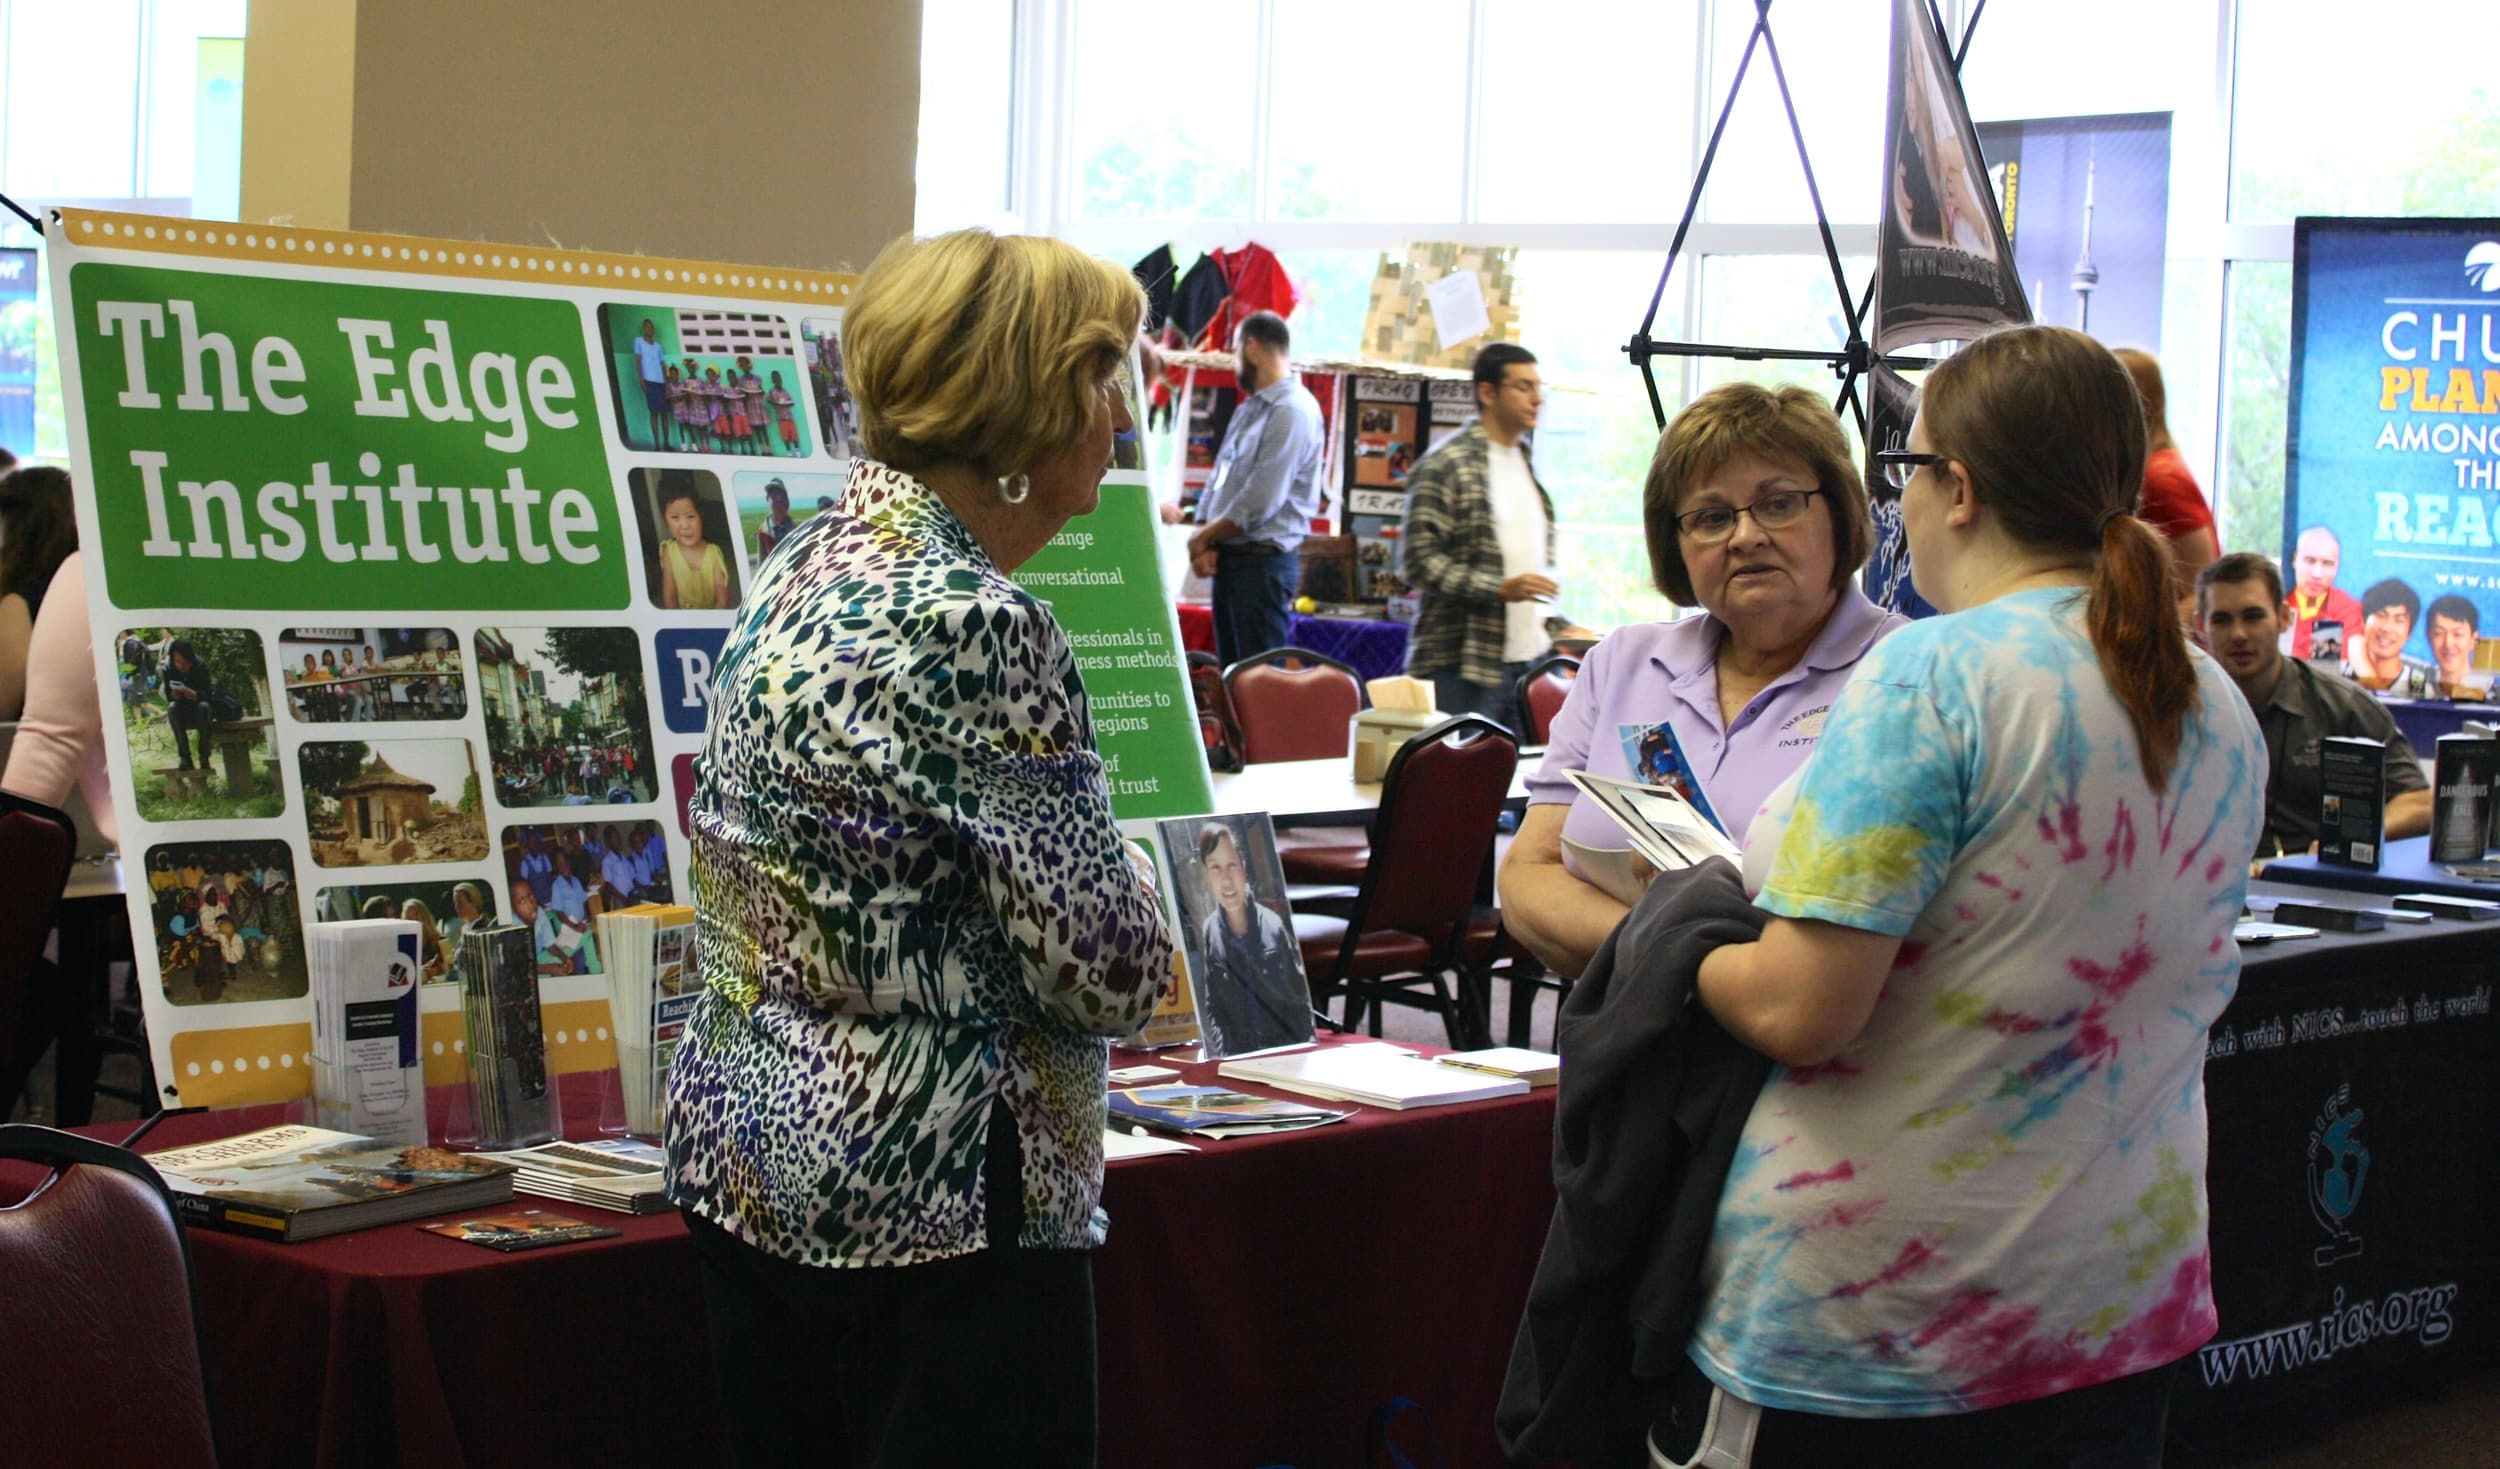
point(987, 1358)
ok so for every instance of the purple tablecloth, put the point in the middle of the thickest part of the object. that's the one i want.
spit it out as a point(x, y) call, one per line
point(1372, 649)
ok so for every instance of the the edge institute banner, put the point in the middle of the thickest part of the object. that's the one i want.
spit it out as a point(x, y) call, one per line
point(409, 561)
point(2392, 476)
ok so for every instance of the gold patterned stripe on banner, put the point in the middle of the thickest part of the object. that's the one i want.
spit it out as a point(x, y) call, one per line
point(411, 255)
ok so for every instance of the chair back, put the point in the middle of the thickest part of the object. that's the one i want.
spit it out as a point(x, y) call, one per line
point(1433, 834)
point(1542, 690)
point(1293, 704)
point(35, 845)
point(99, 1340)
point(92, 842)
point(1218, 730)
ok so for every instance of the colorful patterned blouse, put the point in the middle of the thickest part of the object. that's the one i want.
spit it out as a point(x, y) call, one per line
point(1997, 1191)
point(912, 899)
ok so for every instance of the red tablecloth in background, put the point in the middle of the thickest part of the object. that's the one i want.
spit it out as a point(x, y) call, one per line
point(1257, 1302)
point(1197, 627)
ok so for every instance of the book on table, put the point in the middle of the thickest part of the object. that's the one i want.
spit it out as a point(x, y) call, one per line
point(1536, 1068)
point(294, 1183)
point(1214, 1111)
point(622, 1173)
point(1373, 1073)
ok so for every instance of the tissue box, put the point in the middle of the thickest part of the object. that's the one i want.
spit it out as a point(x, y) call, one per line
point(1379, 733)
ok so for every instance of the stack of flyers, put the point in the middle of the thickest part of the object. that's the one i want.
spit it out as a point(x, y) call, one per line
point(509, 1085)
point(367, 1078)
point(653, 986)
point(621, 1173)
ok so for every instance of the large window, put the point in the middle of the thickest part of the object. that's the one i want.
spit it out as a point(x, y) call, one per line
point(1337, 131)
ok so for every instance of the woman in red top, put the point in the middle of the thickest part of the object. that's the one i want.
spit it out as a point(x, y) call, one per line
point(2172, 502)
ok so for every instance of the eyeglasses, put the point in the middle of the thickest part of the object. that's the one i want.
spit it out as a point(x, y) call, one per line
point(1900, 466)
point(1714, 523)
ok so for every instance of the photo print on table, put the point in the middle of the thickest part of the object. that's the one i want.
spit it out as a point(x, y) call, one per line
point(195, 705)
point(225, 920)
point(443, 910)
point(1237, 932)
point(357, 675)
point(560, 877)
point(700, 381)
point(686, 533)
point(567, 721)
point(391, 803)
point(771, 507)
point(820, 339)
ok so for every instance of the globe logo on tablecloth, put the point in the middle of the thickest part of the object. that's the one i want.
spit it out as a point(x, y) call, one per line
point(2338, 1167)
point(2482, 266)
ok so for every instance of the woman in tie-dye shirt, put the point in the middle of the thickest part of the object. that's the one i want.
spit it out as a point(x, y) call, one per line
point(918, 924)
point(1966, 1222)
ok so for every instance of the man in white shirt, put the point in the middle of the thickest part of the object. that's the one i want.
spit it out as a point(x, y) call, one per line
point(651, 363)
point(1479, 544)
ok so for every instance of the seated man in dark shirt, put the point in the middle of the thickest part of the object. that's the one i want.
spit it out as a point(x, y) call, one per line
point(2240, 605)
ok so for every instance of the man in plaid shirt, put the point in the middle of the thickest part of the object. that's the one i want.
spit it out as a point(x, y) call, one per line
point(1479, 545)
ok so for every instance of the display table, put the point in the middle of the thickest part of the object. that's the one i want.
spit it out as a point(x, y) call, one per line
point(1257, 1301)
point(2425, 720)
point(2319, 1281)
point(2405, 867)
point(1325, 792)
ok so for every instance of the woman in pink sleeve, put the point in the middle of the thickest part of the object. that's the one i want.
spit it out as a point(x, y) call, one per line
point(60, 738)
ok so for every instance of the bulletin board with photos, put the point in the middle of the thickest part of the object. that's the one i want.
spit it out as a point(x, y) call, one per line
point(410, 558)
point(411, 561)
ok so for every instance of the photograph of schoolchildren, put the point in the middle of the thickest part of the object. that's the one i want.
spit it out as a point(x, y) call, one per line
point(821, 339)
point(226, 924)
point(195, 704)
point(691, 381)
point(686, 557)
point(561, 877)
point(771, 506)
point(441, 910)
point(391, 803)
point(357, 675)
point(1237, 933)
point(566, 719)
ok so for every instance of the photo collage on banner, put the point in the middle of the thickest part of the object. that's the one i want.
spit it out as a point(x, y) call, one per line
point(410, 560)
point(2391, 498)
point(411, 554)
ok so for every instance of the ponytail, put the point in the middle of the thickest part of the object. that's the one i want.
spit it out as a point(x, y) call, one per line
point(2134, 621)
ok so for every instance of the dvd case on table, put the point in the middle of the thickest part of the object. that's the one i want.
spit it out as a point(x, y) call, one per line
point(512, 1095)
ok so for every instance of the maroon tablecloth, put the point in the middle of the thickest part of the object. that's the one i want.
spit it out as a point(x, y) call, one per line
point(1257, 1301)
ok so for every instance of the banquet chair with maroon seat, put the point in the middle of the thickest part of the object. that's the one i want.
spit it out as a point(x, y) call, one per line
point(1218, 730)
point(1293, 704)
point(1542, 690)
point(1431, 839)
point(99, 1339)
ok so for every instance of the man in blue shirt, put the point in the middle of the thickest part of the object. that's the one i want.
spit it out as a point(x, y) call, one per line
point(1259, 501)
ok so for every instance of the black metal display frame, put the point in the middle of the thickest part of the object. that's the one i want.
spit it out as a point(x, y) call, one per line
point(1851, 359)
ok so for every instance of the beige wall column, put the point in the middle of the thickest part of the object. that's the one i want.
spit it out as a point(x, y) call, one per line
point(781, 132)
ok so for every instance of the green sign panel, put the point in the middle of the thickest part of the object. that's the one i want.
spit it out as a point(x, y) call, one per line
point(1102, 581)
point(274, 443)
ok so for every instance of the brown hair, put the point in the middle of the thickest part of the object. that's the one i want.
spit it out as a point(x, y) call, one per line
point(2050, 431)
point(1773, 423)
point(2146, 371)
point(38, 529)
point(2235, 568)
point(984, 349)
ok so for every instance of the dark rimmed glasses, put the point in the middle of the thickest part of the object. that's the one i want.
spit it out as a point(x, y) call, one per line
point(1714, 523)
point(1900, 466)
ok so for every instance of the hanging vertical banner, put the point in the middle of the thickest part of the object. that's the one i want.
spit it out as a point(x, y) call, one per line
point(408, 560)
point(2391, 495)
point(1891, 402)
point(1943, 269)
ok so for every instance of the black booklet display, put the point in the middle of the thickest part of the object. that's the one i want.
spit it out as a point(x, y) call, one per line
point(512, 1095)
point(2463, 767)
point(2352, 800)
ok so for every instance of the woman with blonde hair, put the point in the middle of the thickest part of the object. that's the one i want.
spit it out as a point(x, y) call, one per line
point(437, 953)
point(1967, 1218)
point(919, 925)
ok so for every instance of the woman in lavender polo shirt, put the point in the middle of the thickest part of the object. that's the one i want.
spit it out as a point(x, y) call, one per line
point(1755, 513)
